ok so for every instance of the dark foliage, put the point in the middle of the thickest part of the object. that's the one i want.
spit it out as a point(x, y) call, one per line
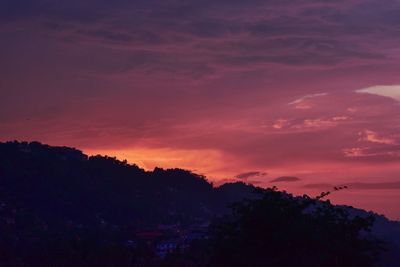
point(60, 183)
point(279, 230)
point(59, 207)
point(57, 203)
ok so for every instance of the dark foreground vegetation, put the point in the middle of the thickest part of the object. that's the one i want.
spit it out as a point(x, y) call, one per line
point(59, 207)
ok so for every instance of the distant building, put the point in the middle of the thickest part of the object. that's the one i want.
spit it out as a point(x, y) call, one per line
point(166, 247)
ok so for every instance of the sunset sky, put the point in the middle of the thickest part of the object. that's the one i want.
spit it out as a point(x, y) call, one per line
point(301, 94)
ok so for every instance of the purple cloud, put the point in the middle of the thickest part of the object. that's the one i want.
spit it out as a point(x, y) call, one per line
point(287, 179)
point(247, 175)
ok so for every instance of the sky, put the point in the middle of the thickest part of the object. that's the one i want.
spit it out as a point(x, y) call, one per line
point(304, 95)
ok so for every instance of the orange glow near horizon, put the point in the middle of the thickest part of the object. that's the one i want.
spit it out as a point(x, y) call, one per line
point(218, 169)
point(199, 161)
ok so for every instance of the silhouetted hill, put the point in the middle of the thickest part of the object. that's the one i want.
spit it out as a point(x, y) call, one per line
point(61, 183)
point(58, 203)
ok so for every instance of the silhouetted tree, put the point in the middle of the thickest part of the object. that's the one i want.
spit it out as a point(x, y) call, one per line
point(281, 230)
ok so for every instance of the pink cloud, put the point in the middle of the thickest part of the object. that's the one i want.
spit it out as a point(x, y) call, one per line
point(371, 136)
